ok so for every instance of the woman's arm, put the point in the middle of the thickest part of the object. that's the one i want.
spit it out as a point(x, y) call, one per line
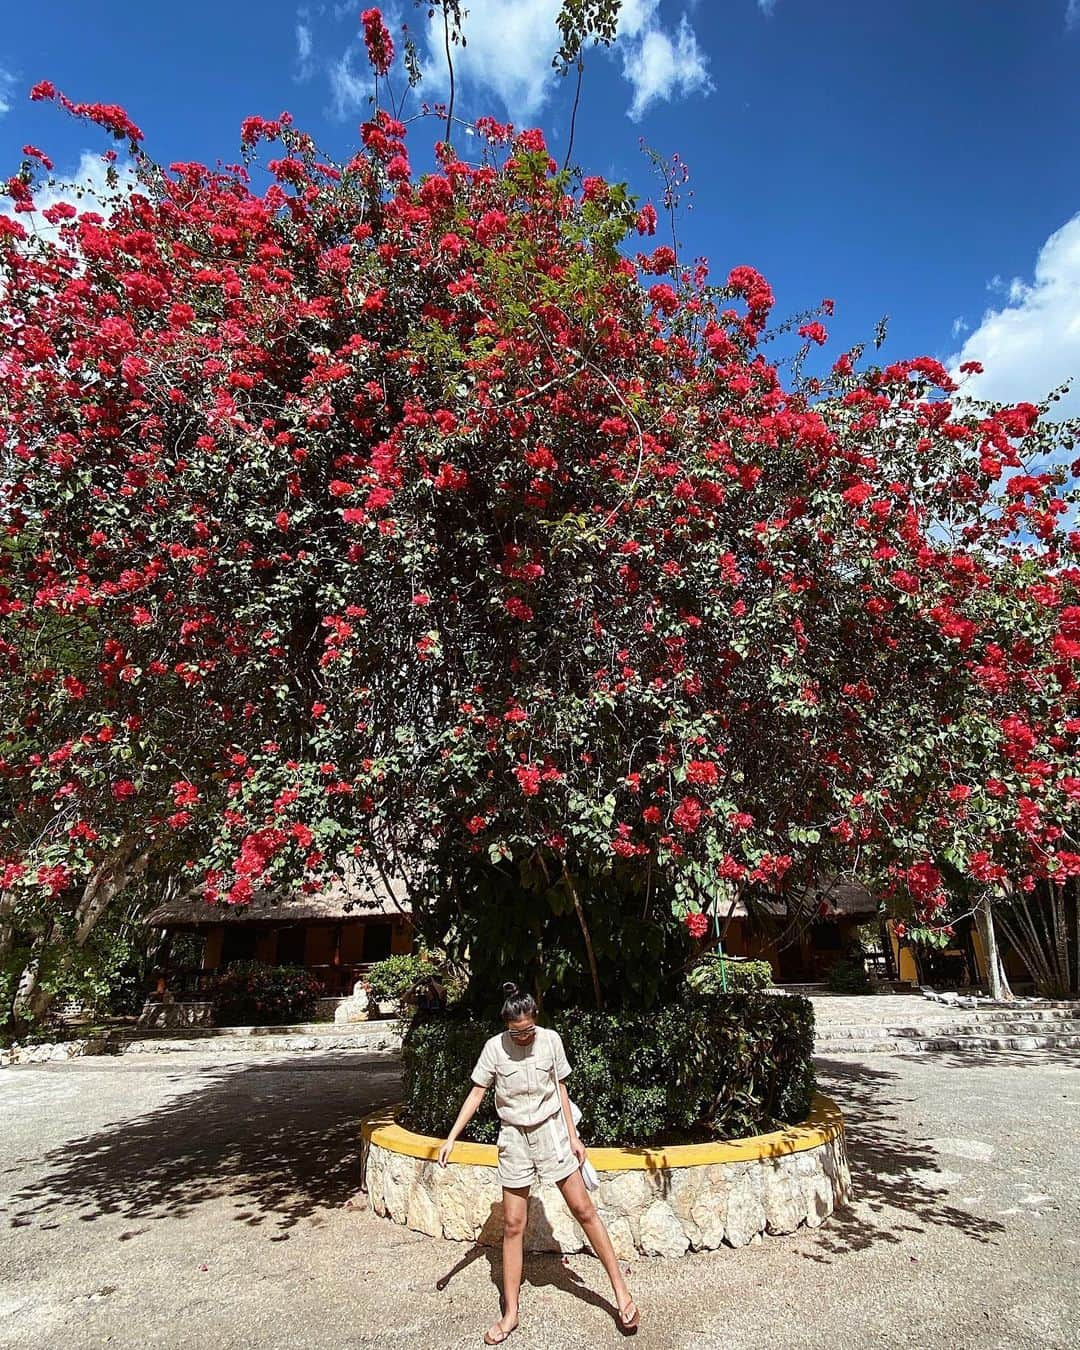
point(469, 1108)
point(577, 1148)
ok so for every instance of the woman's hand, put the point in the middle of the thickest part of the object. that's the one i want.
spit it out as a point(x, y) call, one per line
point(444, 1152)
point(577, 1148)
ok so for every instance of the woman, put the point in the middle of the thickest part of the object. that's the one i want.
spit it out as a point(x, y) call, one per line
point(538, 1139)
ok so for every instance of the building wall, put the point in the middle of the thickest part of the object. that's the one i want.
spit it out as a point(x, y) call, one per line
point(318, 943)
point(212, 950)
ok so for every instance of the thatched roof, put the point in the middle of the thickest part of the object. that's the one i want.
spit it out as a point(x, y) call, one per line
point(845, 896)
point(343, 901)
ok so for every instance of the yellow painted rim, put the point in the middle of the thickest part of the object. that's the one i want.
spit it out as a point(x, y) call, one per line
point(821, 1126)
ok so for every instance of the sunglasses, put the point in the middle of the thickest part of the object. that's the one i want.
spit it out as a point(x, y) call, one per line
point(524, 1034)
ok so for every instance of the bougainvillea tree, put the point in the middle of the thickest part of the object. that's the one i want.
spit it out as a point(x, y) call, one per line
point(449, 525)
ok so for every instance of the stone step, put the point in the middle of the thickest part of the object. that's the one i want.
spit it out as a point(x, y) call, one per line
point(374, 1027)
point(1066, 1027)
point(385, 1038)
point(936, 1016)
point(929, 1044)
point(367, 1038)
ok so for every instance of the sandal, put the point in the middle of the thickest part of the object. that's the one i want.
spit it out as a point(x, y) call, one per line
point(501, 1337)
point(629, 1325)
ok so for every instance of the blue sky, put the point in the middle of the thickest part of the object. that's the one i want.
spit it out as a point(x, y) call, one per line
point(918, 159)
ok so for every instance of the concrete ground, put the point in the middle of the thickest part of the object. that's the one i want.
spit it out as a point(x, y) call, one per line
point(195, 1202)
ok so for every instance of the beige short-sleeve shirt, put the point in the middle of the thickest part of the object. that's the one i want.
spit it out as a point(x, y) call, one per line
point(523, 1076)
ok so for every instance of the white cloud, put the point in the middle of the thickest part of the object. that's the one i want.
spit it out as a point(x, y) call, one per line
point(1031, 343)
point(960, 325)
point(510, 45)
point(768, 6)
point(305, 67)
point(351, 87)
point(87, 189)
point(7, 83)
point(660, 66)
point(1072, 14)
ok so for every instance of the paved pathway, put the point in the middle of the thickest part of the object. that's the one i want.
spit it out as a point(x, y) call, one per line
point(193, 1202)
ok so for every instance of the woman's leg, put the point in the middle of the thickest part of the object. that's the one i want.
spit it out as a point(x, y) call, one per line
point(580, 1204)
point(515, 1212)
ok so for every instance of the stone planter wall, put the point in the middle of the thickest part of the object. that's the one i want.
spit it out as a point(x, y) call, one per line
point(656, 1202)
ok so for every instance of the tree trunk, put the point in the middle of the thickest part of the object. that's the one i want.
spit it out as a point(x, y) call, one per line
point(107, 881)
point(7, 928)
point(29, 995)
point(1060, 937)
point(580, 912)
point(105, 884)
point(999, 984)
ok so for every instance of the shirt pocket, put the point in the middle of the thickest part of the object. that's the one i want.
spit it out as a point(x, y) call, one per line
point(512, 1079)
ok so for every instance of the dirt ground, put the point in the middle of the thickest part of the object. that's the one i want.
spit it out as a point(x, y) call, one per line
point(206, 1201)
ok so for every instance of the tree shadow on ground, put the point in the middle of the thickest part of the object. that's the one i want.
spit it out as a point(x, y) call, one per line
point(1060, 1056)
point(280, 1139)
point(895, 1193)
point(541, 1268)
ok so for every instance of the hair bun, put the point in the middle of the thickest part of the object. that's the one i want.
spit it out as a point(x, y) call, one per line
point(509, 989)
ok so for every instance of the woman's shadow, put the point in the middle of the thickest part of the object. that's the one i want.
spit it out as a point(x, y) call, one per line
point(542, 1267)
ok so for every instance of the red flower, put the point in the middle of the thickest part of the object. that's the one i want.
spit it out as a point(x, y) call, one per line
point(702, 771)
point(380, 46)
point(646, 219)
point(528, 779)
point(518, 609)
point(857, 494)
point(491, 226)
point(688, 815)
point(697, 925)
point(664, 298)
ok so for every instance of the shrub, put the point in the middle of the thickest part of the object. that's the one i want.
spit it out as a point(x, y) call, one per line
point(419, 979)
point(701, 1068)
point(390, 981)
point(848, 976)
point(249, 993)
point(720, 974)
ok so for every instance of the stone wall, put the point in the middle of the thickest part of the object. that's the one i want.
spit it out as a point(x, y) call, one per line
point(654, 1211)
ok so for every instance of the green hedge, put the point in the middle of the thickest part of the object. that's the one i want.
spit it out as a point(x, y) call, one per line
point(712, 974)
point(706, 1068)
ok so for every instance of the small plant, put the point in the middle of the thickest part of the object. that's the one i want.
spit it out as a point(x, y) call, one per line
point(848, 976)
point(721, 975)
point(392, 980)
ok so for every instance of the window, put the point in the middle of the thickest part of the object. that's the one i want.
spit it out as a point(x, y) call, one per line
point(377, 941)
point(238, 943)
point(290, 945)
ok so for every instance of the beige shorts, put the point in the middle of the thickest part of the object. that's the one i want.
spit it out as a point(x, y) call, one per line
point(540, 1152)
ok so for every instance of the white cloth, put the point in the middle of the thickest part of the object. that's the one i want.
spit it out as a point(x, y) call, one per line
point(524, 1076)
